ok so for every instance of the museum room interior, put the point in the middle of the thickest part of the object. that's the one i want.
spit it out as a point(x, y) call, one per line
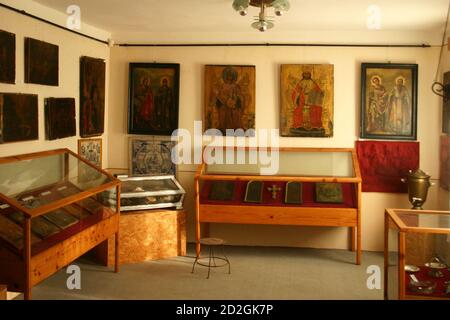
point(226, 149)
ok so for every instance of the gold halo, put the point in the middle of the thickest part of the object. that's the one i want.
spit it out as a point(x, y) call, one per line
point(376, 77)
point(400, 77)
point(164, 78)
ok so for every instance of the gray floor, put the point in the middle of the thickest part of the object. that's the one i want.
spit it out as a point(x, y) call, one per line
point(256, 273)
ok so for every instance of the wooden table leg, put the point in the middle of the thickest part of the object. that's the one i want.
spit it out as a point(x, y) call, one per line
point(3, 292)
point(27, 258)
point(116, 253)
point(358, 245)
point(386, 255)
point(353, 233)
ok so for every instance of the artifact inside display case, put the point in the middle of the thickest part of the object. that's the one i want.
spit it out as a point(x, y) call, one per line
point(417, 254)
point(50, 215)
point(148, 192)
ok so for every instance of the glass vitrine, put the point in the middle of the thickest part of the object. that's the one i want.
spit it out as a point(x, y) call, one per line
point(417, 253)
point(49, 202)
point(284, 186)
point(148, 192)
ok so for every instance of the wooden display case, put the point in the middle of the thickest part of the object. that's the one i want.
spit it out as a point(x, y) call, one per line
point(416, 254)
point(51, 212)
point(308, 166)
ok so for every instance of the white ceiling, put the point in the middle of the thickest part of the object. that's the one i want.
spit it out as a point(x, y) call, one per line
point(138, 20)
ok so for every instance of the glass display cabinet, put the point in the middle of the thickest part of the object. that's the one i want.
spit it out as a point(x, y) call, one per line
point(148, 192)
point(285, 186)
point(416, 254)
point(51, 212)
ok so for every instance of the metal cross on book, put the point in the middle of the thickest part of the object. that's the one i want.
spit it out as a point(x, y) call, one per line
point(274, 189)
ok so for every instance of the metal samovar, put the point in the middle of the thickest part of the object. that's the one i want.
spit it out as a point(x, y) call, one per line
point(418, 183)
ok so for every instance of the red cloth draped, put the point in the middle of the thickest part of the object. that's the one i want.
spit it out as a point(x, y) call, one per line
point(147, 108)
point(383, 164)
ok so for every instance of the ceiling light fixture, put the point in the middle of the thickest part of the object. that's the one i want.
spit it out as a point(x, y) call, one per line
point(263, 22)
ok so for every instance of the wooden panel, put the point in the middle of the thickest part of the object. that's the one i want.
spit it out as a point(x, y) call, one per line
point(101, 253)
point(386, 254)
point(287, 149)
point(150, 235)
point(72, 199)
point(57, 257)
point(31, 156)
point(3, 292)
point(301, 216)
point(401, 266)
point(279, 178)
point(11, 270)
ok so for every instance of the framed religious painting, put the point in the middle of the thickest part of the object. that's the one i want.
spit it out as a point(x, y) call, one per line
point(329, 192)
point(91, 150)
point(151, 156)
point(41, 62)
point(446, 104)
point(222, 190)
point(153, 98)
point(18, 117)
point(7, 57)
point(92, 96)
point(229, 99)
point(60, 119)
point(444, 163)
point(307, 100)
point(388, 101)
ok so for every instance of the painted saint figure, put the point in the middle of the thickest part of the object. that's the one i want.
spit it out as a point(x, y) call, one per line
point(377, 111)
point(93, 112)
point(229, 101)
point(400, 107)
point(144, 98)
point(307, 97)
point(164, 105)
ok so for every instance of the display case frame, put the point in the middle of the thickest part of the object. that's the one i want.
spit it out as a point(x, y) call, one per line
point(23, 269)
point(393, 222)
point(295, 215)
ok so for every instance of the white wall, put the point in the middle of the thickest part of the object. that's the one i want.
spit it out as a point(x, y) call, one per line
point(55, 16)
point(346, 62)
point(71, 48)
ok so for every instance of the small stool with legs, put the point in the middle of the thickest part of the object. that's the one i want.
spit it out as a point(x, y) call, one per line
point(212, 244)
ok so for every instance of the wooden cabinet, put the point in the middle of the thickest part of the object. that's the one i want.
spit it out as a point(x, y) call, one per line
point(151, 235)
point(52, 211)
point(416, 254)
point(222, 181)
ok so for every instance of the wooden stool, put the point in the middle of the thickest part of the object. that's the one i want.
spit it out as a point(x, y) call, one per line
point(3, 292)
point(213, 243)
